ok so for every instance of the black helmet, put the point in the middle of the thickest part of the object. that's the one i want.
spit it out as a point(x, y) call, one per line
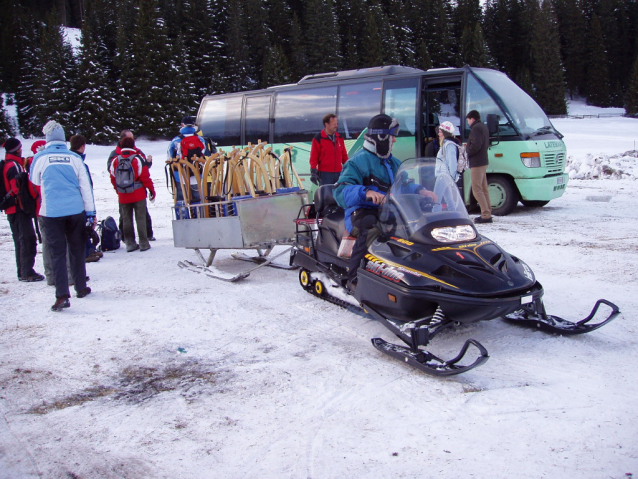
point(380, 129)
point(188, 120)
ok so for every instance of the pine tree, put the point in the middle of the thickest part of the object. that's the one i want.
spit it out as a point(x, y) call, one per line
point(572, 25)
point(631, 95)
point(275, 71)
point(473, 49)
point(322, 43)
point(258, 38)
point(9, 45)
point(239, 70)
point(28, 98)
point(7, 128)
point(298, 61)
point(548, 71)
point(95, 116)
point(55, 75)
point(597, 73)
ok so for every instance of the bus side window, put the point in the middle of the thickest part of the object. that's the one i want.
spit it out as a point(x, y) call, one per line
point(219, 119)
point(298, 113)
point(257, 119)
point(358, 102)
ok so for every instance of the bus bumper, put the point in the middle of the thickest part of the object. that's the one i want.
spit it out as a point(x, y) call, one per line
point(542, 189)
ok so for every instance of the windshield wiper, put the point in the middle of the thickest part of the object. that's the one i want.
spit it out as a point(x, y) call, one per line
point(544, 130)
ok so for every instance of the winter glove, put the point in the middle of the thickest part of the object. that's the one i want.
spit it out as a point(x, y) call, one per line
point(151, 195)
point(90, 223)
point(314, 176)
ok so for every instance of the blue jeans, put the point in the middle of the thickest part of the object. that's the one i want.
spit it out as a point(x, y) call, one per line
point(328, 177)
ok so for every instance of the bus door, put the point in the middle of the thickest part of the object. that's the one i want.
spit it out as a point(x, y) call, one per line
point(256, 124)
point(440, 102)
point(400, 102)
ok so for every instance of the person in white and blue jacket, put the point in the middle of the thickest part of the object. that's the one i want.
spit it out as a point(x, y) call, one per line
point(67, 205)
point(448, 154)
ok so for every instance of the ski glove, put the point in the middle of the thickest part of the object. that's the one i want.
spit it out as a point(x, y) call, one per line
point(151, 195)
point(90, 222)
point(314, 176)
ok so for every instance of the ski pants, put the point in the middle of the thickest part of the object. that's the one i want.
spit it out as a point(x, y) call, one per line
point(59, 234)
point(139, 207)
point(47, 262)
point(24, 242)
point(365, 228)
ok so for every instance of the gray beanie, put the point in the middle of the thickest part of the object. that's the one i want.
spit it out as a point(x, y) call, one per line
point(53, 131)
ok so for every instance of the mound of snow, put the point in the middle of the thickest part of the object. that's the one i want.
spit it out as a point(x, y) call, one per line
point(598, 167)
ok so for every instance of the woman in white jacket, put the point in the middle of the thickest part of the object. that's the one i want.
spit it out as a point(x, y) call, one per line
point(447, 157)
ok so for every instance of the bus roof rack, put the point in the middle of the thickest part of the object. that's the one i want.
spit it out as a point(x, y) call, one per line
point(360, 73)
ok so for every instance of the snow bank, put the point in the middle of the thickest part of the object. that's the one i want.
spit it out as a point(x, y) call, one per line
point(601, 166)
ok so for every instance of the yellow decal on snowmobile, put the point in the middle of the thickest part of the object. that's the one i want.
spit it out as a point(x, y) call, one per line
point(404, 241)
point(381, 261)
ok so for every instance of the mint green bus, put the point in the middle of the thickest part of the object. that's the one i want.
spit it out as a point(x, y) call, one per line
point(526, 155)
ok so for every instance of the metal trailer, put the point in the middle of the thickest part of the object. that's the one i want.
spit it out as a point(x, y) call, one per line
point(259, 223)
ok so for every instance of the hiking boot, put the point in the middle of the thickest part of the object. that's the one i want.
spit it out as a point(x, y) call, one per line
point(32, 278)
point(61, 303)
point(84, 293)
point(92, 258)
point(480, 219)
point(152, 238)
point(132, 247)
point(145, 247)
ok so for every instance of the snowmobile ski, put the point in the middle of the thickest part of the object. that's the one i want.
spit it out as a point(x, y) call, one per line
point(262, 259)
point(534, 315)
point(428, 362)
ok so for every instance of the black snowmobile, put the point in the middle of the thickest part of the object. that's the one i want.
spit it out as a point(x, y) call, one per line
point(429, 269)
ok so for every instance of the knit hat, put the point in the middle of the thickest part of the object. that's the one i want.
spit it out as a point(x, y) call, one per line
point(53, 131)
point(37, 146)
point(447, 126)
point(188, 120)
point(12, 145)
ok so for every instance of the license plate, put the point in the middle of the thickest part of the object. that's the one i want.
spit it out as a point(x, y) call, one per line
point(560, 180)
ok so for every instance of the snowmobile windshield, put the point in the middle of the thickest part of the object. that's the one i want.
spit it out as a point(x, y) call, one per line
point(418, 199)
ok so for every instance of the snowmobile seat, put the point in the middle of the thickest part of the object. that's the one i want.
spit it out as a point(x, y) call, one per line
point(325, 202)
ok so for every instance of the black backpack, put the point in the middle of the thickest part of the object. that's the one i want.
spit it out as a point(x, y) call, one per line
point(6, 200)
point(26, 201)
point(125, 176)
point(110, 236)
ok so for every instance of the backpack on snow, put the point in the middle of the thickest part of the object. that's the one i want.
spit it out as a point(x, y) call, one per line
point(462, 162)
point(191, 145)
point(125, 176)
point(110, 236)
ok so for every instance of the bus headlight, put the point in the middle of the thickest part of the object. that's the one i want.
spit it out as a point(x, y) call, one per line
point(454, 234)
point(531, 160)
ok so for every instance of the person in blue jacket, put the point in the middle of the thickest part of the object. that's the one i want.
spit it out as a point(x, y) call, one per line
point(67, 206)
point(362, 186)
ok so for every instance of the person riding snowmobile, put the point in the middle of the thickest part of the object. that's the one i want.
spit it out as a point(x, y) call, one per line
point(362, 186)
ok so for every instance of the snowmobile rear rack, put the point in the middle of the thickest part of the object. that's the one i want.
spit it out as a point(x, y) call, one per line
point(534, 315)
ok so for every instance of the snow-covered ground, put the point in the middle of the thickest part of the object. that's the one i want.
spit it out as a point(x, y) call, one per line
point(164, 373)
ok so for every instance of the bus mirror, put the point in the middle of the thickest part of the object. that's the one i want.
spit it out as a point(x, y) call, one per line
point(492, 124)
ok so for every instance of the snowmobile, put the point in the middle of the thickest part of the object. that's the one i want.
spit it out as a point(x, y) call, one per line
point(429, 269)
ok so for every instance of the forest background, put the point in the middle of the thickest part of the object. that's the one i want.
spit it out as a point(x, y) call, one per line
point(143, 64)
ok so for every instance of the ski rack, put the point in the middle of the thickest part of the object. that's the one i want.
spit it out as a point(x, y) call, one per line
point(534, 315)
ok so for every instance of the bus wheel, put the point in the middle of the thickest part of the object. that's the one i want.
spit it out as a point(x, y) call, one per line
point(503, 195)
point(534, 204)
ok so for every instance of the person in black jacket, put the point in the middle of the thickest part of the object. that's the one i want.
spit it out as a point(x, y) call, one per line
point(24, 238)
point(477, 145)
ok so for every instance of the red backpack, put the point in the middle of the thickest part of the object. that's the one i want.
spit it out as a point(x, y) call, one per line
point(191, 145)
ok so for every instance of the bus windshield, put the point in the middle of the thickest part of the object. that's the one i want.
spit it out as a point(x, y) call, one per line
point(528, 118)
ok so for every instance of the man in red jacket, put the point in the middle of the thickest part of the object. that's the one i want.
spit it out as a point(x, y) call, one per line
point(21, 223)
point(328, 153)
point(132, 195)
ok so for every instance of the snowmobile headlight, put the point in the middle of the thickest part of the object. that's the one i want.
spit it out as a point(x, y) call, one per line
point(454, 234)
point(531, 160)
